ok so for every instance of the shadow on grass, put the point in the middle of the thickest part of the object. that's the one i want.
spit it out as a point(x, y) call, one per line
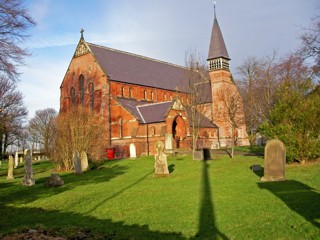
point(22, 194)
point(171, 168)
point(257, 170)
point(207, 224)
point(299, 197)
point(118, 193)
point(61, 221)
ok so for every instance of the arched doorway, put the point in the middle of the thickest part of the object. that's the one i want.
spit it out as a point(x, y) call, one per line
point(179, 130)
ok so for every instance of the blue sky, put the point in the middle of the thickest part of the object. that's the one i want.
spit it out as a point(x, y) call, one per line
point(161, 29)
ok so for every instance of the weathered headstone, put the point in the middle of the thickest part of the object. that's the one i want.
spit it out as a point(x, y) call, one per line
point(10, 168)
point(54, 181)
point(161, 164)
point(274, 161)
point(28, 174)
point(77, 162)
point(21, 159)
point(133, 153)
point(84, 161)
point(16, 160)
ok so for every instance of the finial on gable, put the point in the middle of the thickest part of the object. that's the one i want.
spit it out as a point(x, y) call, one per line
point(81, 31)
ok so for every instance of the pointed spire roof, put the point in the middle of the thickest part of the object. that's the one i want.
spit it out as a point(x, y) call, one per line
point(217, 47)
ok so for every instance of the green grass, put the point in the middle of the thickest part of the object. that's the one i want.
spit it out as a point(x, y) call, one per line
point(217, 199)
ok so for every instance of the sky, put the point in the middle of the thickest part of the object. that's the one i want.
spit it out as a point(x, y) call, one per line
point(162, 29)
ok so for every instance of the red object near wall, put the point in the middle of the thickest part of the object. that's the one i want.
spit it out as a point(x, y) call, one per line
point(110, 153)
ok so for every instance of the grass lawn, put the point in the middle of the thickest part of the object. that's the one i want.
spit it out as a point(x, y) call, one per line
point(217, 199)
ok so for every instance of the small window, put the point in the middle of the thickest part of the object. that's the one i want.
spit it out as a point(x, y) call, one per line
point(130, 93)
point(122, 91)
point(153, 131)
point(165, 97)
point(152, 95)
point(73, 95)
point(81, 89)
point(145, 94)
point(91, 93)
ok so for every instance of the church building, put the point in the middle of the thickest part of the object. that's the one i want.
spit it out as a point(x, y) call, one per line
point(142, 100)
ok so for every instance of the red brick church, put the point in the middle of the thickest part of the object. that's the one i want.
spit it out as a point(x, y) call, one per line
point(142, 100)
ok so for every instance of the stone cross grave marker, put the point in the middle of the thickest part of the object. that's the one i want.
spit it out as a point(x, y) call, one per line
point(28, 174)
point(161, 164)
point(77, 162)
point(84, 161)
point(274, 161)
point(10, 168)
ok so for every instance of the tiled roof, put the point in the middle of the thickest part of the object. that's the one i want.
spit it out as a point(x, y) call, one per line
point(155, 112)
point(204, 121)
point(146, 112)
point(135, 69)
point(217, 47)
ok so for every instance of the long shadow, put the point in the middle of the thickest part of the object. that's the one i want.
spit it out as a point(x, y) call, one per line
point(92, 227)
point(299, 197)
point(23, 194)
point(118, 193)
point(207, 224)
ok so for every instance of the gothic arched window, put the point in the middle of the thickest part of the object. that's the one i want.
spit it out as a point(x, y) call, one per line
point(122, 91)
point(81, 89)
point(73, 95)
point(130, 93)
point(152, 95)
point(145, 94)
point(91, 94)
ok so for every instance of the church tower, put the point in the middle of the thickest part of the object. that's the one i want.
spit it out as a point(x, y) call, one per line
point(227, 107)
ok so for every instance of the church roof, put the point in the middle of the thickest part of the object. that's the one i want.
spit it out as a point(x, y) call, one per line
point(217, 47)
point(135, 69)
point(147, 112)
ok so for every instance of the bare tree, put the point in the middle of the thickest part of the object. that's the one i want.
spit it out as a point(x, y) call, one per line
point(199, 94)
point(78, 130)
point(231, 110)
point(43, 127)
point(310, 48)
point(14, 22)
point(258, 85)
point(12, 113)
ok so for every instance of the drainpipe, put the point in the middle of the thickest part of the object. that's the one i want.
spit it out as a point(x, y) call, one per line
point(219, 137)
point(147, 139)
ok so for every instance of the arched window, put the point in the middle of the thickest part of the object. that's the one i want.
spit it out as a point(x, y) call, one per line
point(165, 97)
point(122, 91)
point(130, 93)
point(152, 95)
point(73, 95)
point(153, 131)
point(91, 94)
point(120, 127)
point(145, 94)
point(81, 89)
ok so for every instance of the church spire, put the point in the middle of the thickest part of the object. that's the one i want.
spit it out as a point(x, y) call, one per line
point(218, 56)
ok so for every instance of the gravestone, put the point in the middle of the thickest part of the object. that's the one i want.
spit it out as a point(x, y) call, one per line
point(77, 162)
point(10, 168)
point(274, 161)
point(16, 160)
point(168, 142)
point(84, 161)
point(21, 160)
point(160, 165)
point(28, 174)
point(133, 153)
point(54, 181)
